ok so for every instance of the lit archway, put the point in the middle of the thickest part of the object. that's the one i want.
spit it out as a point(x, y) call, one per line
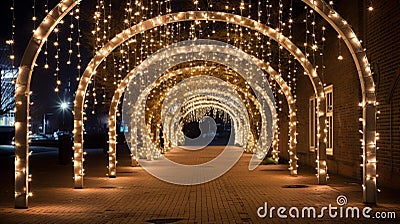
point(53, 18)
point(178, 17)
point(202, 50)
point(274, 75)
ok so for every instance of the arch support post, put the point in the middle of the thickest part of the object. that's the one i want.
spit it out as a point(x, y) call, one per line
point(112, 157)
point(292, 144)
point(21, 139)
point(322, 168)
point(112, 133)
point(369, 154)
point(78, 149)
point(275, 146)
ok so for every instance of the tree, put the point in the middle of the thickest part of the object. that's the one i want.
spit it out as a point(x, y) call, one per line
point(7, 75)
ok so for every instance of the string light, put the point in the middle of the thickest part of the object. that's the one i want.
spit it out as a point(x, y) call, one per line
point(57, 58)
point(368, 103)
point(340, 57)
point(34, 18)
point(78, 43)
point(370, 7)
point(11, 42)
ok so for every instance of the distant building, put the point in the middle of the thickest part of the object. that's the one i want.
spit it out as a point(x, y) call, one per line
point(7, 94)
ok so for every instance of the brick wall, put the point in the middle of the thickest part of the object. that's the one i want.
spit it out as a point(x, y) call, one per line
point(383, 48)
point(382, 29)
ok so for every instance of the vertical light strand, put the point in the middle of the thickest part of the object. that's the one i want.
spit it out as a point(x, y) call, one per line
point(34, 18)
point(78, 43)
point(370, 6)
point(240, 28)
point(57, 59)
point(340, 56)
point(269, 49)
point(71, 33)
point(259, 44)
point(307, 32)
point(11, 42)
point(314, 45)
point(46, 52)
point(323, 39)
point(227, 24)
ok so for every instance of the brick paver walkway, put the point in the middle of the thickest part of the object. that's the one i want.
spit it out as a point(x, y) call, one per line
point(137, 197)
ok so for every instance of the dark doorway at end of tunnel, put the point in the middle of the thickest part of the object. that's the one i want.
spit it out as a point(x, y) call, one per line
point(221, 136)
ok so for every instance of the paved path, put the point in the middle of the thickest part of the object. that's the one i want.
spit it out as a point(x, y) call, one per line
point(137, 197)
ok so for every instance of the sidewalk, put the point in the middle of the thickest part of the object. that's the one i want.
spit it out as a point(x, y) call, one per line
point(137, 197)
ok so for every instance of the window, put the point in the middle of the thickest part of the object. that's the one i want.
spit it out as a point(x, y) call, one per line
point(312, 124)
point(329, 119)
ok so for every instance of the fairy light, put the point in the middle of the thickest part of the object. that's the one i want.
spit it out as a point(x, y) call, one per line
point(269, 11)
point(46, 53)
point(368, 102)
point(71, 27)
point(291, 49)
point(78, 43)
point(370, 6)
point(57, 59)
point(11, 42)
point(323, 40)
point(340, 56)
point(291, 153)
point(34, 18)
point(307, 31)
point(314, 46)
point(228, 35)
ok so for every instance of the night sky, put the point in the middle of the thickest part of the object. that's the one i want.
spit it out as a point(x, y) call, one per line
point(43, 81)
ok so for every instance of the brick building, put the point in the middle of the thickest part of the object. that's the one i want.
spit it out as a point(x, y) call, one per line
point(379, 29)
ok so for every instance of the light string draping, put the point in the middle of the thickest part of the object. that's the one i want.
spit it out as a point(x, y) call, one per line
point(264, 66)
point(223, 91)
point(209, 51)
point(221, 17)
point(113, 112)
point(40, 35)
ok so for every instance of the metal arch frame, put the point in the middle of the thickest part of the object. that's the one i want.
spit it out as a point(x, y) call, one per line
point(227, 110)
point(231, 111)
point(178, 17)
point(368, 103)
point(178, 50)
point(201, 94)
point(359, 57)
point(22, 98)
point(236, 105)
point(141, 101)
point(172, 95)
point(275, 75)
point(204, 50)
point(196, 92)
point(112, 120)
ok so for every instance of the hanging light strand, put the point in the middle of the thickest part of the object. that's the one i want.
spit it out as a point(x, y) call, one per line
point(323, 39)
point(46, 52)
point(78, 43)
point(34, 18)
point(57, 59)
point(11, 42)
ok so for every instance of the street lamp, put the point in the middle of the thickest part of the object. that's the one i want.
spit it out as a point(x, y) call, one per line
point(64, 106)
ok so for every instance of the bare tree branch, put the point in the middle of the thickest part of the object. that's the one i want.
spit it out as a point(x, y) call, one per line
point(7, 76)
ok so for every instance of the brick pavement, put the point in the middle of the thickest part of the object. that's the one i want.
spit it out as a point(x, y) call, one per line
point(137, 197)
